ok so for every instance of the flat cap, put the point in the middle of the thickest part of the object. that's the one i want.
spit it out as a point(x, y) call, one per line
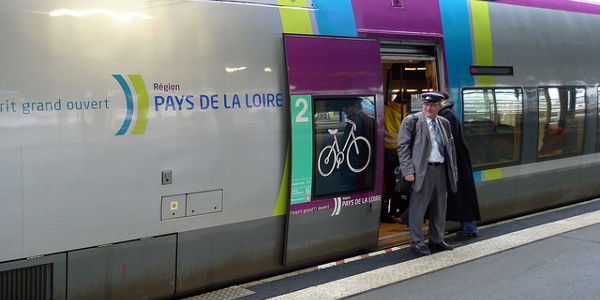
point(432, 97)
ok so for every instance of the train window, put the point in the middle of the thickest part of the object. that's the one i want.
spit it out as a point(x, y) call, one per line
point(344, 145)
point(598, 131)
point(492, 121)
point(561, 121)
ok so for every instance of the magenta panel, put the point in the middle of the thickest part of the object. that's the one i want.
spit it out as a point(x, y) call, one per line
point(416, 19)
point(333, 66)
point(564, 5)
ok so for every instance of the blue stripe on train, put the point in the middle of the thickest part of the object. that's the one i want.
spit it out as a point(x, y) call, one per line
point(456, 24)
point(336, 18)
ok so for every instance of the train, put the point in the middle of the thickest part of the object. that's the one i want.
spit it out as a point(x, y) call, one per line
point(157, 149)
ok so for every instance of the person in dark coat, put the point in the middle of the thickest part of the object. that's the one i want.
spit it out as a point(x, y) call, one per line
point(463, 205)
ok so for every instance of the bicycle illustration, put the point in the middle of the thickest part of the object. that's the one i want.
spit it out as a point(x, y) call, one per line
point(334, 157)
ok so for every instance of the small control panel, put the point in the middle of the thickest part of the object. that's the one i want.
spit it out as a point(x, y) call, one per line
point(191, 204)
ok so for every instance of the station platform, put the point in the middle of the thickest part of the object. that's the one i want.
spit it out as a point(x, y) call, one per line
point(549, 255)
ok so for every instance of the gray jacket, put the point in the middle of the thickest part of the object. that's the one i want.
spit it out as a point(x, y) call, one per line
point(414, 160)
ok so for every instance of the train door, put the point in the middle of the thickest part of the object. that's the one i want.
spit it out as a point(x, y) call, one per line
point(336, 113)
point(408, 71)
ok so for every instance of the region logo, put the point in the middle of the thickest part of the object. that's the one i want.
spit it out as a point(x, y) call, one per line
point(142, 101)
point(338, 206)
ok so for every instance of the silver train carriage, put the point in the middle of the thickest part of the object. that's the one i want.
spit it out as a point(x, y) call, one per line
point(153, 149)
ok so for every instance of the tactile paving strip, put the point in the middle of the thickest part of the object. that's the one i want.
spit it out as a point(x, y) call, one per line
point(233, 292)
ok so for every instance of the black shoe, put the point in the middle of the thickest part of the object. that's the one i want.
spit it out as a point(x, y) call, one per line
point(400, 221)
point(420, 250)
point(442, 246)
point(467, 234)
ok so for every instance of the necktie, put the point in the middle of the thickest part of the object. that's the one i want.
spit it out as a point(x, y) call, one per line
point(436, 133)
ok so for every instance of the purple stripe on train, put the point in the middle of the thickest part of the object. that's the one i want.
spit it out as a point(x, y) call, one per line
point(337, 203)
point(307, 62)
point(416, 19)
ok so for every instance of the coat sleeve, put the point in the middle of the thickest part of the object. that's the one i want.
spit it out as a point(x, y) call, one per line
point(405, 142)
point(453, 161)
point(453, 124)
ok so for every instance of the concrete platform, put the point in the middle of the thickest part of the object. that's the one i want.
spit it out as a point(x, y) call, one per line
point(549, 255)
point(565, 266)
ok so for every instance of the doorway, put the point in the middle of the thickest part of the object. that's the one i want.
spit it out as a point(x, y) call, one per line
point(408, 71)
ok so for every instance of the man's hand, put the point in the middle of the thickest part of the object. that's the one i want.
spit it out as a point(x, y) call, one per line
point(409, 177)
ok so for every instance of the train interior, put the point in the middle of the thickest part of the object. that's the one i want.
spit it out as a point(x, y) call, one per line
point(404, 79)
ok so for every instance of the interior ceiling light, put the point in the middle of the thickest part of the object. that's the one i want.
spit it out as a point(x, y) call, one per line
point(230, 70)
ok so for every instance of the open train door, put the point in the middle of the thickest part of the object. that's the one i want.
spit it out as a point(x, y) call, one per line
point(336, 121)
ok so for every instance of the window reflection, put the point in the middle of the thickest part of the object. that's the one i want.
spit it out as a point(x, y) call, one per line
point(598, 131)
point(492, 120)
point(561, 121)
point(344, 145)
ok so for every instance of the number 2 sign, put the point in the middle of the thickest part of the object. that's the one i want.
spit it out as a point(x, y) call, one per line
point(302, 147)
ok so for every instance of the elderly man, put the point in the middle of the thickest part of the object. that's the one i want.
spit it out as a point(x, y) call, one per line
point(428, 160)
